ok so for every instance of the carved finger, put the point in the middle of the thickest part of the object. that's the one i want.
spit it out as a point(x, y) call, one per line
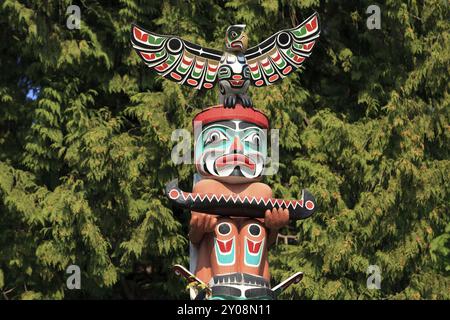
point(250, 102)
point(233, 101)
point(279, 218)
point(227, 102)
point(244, 101)
point(213, 222)
point(286, 214)
point(193, 222)
point(202, 222)
point(210, 224)
point(267, 218)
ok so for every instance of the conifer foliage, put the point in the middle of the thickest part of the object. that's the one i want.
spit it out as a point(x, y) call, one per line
point(85, 147)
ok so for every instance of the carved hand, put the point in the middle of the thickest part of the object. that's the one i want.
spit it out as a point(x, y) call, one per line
point(200, 224)
point(276, 219)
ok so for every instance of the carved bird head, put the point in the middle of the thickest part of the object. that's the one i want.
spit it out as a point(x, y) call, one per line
point(236, 39)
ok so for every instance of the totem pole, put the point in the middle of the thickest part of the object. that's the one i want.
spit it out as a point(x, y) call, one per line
point(234, 217)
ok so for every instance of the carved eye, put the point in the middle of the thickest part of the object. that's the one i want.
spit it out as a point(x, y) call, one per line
point(234, 34)
point(253, 138)
point(224, 228)
point(214, 137)
point(254, 230)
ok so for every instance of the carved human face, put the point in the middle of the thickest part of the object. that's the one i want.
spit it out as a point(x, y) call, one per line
point(236, 39)
point(231, 151)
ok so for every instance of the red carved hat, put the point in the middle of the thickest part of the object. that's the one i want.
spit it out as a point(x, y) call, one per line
point(219, 113)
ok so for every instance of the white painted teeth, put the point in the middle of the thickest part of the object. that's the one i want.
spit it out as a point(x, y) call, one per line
point(240, 279)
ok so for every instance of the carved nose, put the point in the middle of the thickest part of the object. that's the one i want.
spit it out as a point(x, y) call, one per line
point(237, 147)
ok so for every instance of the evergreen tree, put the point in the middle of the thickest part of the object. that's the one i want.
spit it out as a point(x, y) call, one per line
point(85, 147)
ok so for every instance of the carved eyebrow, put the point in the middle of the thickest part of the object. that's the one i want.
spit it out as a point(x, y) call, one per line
point(237, 28)
point(246, 125)
point(227, 124)
point(252, 128)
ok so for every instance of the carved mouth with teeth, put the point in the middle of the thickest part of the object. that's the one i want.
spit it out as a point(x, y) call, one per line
point(237, 83)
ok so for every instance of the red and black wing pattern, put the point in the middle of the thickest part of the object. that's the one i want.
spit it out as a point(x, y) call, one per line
point(282, 53)
point(176, 59)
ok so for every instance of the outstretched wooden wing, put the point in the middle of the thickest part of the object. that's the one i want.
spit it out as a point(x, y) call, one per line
point(282, 53)
point(177, 59)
